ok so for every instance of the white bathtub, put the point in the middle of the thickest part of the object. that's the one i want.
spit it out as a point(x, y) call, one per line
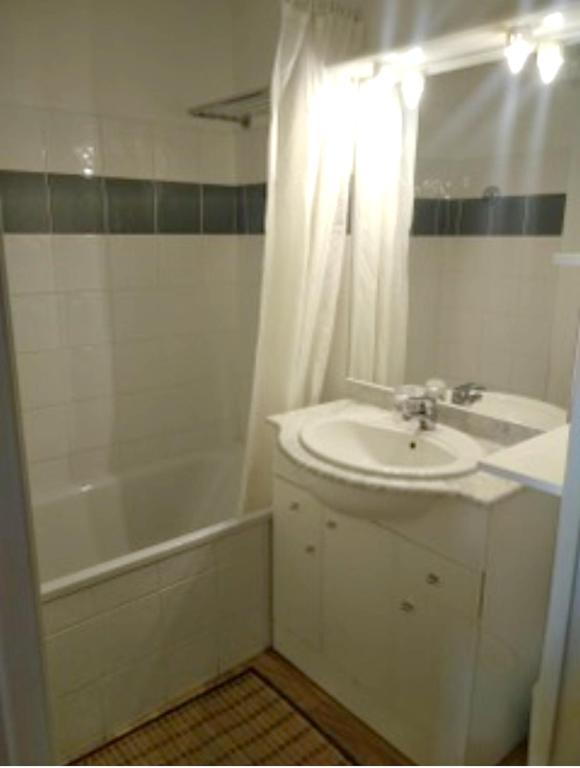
point(149, 588)
point(120, 514)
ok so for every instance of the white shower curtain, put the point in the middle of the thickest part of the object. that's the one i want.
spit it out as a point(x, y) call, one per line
point(386, 140)
point(310, 164)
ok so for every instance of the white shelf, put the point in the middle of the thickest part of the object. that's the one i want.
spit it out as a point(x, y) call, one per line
point(538, 463)
point(567, 259)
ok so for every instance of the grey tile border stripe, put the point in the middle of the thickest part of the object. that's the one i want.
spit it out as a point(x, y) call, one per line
point(68, 203)
point(54, 203)
point(540, 215)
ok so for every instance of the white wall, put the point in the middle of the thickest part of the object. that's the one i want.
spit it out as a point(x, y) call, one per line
point(133, 58)
point(127, 345)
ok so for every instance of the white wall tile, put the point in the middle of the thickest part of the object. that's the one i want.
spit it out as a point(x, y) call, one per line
point(80, 263)
point(183, 358)
point(138, 453)
point(74, 144)
point(92, 423)
point(140, 365)
point(177, 153)
point(87, 318)
point(22, 138)
point(183, 310)
point(36, 322)
point(46, 433)
point(142, 414)
point(221, 261)
point(91, 464)
point(44, 378)
point(252, 152)
point(48, 477)
point(133, 261)
point(127, 148)
point(218, 157)
point(181, 261)
point(91, 371)
point(138, 316)
point(29, 263)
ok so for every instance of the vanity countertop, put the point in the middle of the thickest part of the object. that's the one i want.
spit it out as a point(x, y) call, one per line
point(538, 463)
point(479, 487)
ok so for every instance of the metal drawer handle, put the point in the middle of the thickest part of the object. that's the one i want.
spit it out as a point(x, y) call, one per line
point(310, 549)
point(433, 579)
point(407, 607)
point(294, 506)
point(331, 524)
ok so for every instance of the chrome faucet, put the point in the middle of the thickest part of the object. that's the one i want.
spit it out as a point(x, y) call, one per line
point(467, 394)
point(420, 407)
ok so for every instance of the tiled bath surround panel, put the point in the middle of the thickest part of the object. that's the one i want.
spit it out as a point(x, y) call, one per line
point(131, 645)
point(127, 347)
point(133, 309)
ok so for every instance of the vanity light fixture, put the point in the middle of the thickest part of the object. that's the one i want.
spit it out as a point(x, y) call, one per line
point(518, 50)
point(412, 78)
point(550, 60)
point(412, 87)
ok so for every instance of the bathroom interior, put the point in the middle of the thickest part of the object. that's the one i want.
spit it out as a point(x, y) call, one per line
point(289, 416)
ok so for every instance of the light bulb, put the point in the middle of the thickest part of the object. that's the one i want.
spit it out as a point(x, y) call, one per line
point(550, 59)
point(414, 57)
point(517, 52)
point(553, 22)
point(412, 87)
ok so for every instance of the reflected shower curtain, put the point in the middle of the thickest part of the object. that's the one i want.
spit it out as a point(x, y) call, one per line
point(386, 141)
point(310, 164)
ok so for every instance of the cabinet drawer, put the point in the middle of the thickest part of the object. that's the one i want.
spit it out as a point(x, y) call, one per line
point(423, 575)
point(290, 498)
point(297, 563)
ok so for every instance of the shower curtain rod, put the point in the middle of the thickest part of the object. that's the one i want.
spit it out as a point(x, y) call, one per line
point(471, 47)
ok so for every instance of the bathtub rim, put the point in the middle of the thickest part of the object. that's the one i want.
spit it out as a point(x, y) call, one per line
point(110, 569)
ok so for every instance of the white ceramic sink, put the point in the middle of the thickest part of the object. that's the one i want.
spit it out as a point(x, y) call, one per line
point(391, 448)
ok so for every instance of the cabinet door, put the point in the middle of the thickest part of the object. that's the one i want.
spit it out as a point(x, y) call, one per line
point(357, 599)
point(297, 563)
point(435, 645)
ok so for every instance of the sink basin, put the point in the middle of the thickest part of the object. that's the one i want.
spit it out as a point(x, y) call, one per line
point(388, 447)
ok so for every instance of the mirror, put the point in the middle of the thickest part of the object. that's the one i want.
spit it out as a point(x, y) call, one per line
point(496, 189)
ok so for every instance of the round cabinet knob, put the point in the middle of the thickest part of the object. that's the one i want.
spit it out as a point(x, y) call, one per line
point(433, 579)
point(294, 505)
point(332, 524)
point(407, 607)
point(310, 549)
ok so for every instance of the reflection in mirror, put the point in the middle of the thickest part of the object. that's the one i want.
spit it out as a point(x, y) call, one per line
point(497, 185)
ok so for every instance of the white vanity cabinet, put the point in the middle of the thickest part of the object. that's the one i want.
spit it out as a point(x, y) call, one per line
point(298, 565)
point(396, 631)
